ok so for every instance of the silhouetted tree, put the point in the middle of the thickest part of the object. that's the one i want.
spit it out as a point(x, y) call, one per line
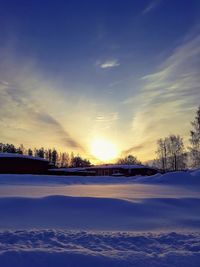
point(64, 160)
point(195, 140)
point(20, 149)
point(128, 160)
point(8, 148)
point(30, 152)
point(77, 161)
point(54, 157)
point(48, 155)
point(39, 152)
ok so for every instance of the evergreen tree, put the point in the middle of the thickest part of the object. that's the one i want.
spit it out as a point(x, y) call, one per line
point(41, 152)
point(54, 157)
point(20, 149)
point(128, 160)
point(30, 152)
point(78, 161)
point(195, 140)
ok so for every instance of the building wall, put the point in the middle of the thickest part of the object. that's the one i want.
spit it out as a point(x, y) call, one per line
point(126, 172)
point(23, 165)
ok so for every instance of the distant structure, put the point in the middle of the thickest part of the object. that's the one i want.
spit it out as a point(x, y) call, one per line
point(123, 170)
point(107, 170)
point(23, 164)
point(16, 163)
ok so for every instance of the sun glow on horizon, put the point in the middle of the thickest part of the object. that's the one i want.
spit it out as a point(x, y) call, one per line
point(103, 150)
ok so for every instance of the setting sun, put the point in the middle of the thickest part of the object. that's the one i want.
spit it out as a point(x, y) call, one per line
point(103, 149)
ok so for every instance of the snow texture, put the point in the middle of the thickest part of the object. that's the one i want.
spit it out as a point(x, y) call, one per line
point(50, 248)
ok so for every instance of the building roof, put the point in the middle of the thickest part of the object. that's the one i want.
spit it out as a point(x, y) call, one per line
point(111, 166)
point(69, 169)
point(120, 166)
point(15, 155)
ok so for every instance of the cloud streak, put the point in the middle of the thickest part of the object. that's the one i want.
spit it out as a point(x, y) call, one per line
point(58, 129)
point(133, 150)
point(151, 6)
point(109, 64)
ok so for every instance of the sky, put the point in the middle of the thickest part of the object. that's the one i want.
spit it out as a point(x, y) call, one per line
point(82, 75)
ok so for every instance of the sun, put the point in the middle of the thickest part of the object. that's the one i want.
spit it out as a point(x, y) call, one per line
point(103, 150)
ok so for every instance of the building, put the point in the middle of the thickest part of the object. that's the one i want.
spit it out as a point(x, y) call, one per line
point(16, 163)
point(122, 170)
point(106, 170)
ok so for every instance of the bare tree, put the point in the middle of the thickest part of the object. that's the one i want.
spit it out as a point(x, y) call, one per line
point(175, 151)
point(162, 153)
point(171, 153)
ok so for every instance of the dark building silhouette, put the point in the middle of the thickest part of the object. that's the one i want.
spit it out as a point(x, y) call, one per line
point(16, 163)
point(123, 170)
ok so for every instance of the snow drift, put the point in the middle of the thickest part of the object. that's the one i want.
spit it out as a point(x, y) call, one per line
point(87, 213)
point(191, 178)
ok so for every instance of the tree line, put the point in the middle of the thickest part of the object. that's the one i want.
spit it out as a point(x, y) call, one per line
point(59, 159)
point(172, 154)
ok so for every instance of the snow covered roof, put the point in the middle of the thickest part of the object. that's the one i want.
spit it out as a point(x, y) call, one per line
point(69, 169)
point(15, 155)
point(120, 166)
point(112, 166)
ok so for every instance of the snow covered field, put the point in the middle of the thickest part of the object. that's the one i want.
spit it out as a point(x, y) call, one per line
point(100, 221)
point(189, 178)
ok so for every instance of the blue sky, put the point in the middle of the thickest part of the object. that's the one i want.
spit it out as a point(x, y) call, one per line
point(73, 71)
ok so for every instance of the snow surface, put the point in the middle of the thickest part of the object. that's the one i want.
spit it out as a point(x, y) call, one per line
point(78, 213)
point(191, 178)
point(181, 178)
point(119, 230)
point(119, 191)
point(17, 179)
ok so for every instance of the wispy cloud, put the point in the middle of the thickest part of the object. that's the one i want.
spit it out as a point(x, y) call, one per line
point(151, 6)
point(108, 118)
point(169, 96)
point(109, 64)
point(178, 76)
